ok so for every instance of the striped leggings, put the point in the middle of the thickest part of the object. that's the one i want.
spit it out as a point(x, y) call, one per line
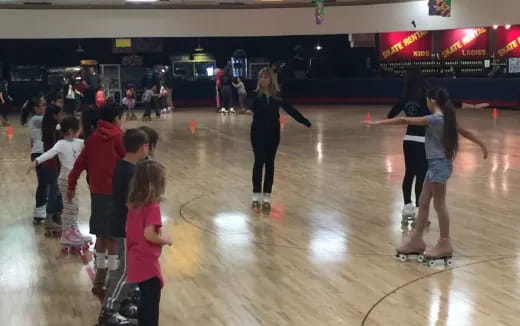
point(69, 218)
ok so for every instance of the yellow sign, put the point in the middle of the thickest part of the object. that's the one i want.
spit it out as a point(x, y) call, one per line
point(123, 42)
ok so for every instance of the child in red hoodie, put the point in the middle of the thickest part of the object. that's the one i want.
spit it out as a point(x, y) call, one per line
point(103, 149)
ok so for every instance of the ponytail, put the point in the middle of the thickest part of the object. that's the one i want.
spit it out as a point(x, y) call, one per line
point(28, 109)
point(450, 137)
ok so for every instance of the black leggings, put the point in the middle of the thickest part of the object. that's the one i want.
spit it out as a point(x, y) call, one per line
point(148, 309)
point(265, 145)
point(416, 166)
point(227, 97)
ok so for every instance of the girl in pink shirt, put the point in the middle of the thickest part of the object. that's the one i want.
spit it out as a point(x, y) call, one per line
point(144, 239)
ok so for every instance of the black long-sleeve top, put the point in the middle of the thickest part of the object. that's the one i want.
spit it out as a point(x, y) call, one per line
point(266, 113)
point(412, 108)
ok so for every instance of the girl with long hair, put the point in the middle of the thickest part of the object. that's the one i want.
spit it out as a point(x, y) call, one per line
point(144, 238)
point(441, 147)
point(265, 134)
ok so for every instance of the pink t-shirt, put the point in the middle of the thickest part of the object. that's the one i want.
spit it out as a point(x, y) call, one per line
point(142, 256)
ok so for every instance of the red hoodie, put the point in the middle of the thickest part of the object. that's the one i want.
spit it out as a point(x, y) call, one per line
point(99, 156)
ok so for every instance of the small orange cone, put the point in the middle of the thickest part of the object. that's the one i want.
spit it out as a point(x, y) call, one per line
point(495, 113)
point(10, 133)
point(368, 117)
point(193, 125)
point(282, 121)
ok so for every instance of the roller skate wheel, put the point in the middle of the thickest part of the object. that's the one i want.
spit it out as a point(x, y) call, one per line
point(449, 262)
point(420, 258)
point(431, 263)
point(403, 258)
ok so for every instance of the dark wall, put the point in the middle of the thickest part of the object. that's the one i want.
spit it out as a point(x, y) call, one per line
point(340, 60)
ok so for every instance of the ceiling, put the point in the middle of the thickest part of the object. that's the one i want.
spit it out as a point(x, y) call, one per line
point(176, 4)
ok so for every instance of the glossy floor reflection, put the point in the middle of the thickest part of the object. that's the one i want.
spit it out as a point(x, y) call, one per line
point(322, 256)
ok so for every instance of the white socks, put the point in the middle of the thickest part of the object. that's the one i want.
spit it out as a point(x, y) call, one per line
point(101, 260)
point(258, 197)
point(113, 262)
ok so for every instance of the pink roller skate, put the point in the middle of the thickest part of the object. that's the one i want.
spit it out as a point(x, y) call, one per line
point(442, 251)
point(70, 243)
point(412, 247)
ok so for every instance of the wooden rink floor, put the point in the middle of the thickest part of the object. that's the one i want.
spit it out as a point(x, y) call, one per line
point(325, 253)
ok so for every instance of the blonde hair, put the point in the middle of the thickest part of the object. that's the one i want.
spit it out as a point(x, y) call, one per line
point(274, 88)
point(148, 184)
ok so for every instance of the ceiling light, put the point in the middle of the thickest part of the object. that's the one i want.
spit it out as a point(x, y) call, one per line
point(319, 47)
point(141, 1)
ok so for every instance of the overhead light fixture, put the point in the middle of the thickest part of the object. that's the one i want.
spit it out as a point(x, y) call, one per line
point(319, 47)
point(495, 26)
point(508, 26)
point(199, 48)
point(141, 1)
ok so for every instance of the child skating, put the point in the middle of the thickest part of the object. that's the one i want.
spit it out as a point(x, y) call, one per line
point(67, 150)
point(265, 135)
point(441, 147)
point(144, 238)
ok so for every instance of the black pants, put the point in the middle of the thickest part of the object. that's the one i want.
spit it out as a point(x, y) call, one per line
point(4, 110)
point(227, 97)
point(148, 109)
point(265, 144)
point(416, 166)
point(149, 302)
point(70, 106)
point(41, 189)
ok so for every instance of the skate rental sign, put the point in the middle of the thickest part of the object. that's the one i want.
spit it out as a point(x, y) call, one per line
point(465, 43)
point(400, 46)
point(508, 42)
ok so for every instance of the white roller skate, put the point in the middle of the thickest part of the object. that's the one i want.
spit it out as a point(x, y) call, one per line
point(409, 212)
point(266, 205)
point(85, 238)
point(223, 110)
point(39, 215)
point(412, 247)
point(442, 251)
point(232, 110)
point(256, 201)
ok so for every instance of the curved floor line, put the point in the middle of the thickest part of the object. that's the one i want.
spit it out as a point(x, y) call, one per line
point(387, 295)
point(261, 243)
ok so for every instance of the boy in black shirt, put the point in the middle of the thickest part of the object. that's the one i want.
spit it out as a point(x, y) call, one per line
point(136, 144)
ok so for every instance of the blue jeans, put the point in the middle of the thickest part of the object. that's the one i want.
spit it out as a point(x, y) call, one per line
point(54, 203)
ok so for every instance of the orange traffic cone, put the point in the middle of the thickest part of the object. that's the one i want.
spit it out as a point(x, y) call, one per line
point(282, 121)
point(495, 113)
point(368, 117)
point(193, 125)
point(10, 133)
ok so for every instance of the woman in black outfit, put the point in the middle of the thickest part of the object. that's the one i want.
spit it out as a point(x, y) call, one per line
point(227, 92)
point(413, 104)
point(265, 134)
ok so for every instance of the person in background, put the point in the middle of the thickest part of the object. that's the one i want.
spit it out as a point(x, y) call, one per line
point(129, 102)
point(100, 97)
point(35, 109)
point(227, 92)
point(242, 94)
point(150, 100)
point(218, 87)
point(168, 82)
point(5, 100)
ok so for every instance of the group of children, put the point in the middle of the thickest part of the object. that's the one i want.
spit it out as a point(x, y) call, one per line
point(125, 185)
point(153, 98)
point(224, 84)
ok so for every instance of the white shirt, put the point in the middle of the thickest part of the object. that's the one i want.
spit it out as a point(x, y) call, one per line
point(35, 132)
point(67, 151)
